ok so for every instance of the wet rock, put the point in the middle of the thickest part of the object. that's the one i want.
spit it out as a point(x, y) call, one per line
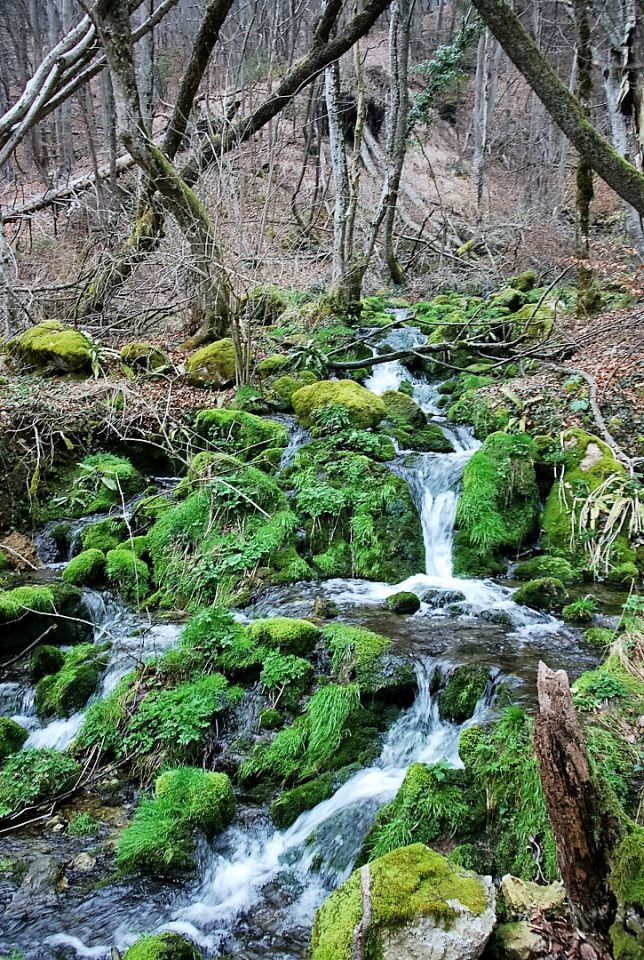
point(84, 862)
point(45, 874)
point(497, 616)
point(324, 609)
point(517, 941)
point(403, 602)
point(437, 599)
point(522, 897)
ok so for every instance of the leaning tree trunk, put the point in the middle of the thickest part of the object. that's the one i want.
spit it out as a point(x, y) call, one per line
point(585, 191)
point(584, 832)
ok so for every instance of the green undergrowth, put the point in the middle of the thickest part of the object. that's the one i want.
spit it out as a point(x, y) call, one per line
point(98, 483)
point(361, 656)
point(498, 508)
point(243, 435)
point(160, 837)
point(34, 775)
point(163, 946)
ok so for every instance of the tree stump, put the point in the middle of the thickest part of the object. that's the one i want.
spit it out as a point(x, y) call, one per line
point(584, 832)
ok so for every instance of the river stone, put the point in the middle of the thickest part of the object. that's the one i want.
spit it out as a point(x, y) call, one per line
point(437, 599)
point(414, 904)
point(522, 897)
point(517, 941)
point(84, 862)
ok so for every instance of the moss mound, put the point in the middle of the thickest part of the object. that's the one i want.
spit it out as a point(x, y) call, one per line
point(86, 569)
point(362, 407)
point(53, 347)
point(289, 636)
point(498, 508)
point(406, 884)
point(408, 425)
point(403, 602)
point(160, 838)
point(250, 438)
point(104, 535)
point(163, 946)
point(212, 366)
point(70, 687)
point(291, 804)
point(101, 481)
point(25, 612)
point(44, 660)
point(463, 690)
point(12, 737)
point(129, 574)
point(263, 305)
point(144, 356)
point(545, 593)
point(33, 775)
point(539, 567)
point(361, 656)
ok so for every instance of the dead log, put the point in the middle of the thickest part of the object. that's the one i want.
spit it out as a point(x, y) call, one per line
point(584, 830)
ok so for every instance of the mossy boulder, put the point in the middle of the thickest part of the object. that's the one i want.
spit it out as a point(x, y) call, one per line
point(52, 347)
point(45, 660)
point(263, 305)
point(103, 535)
point(243, 435)
point(364, 657)
point(70, 687)
point(129, 574)
point(407, 423)
point(212, 366)
point(403, 602)
point(544, 593)
point(362, 407)
point(163, 946)
point(292, 803)
point(464, 688)
point(86, 569)
point(12, 737)
point(27, 611)
point(499, 505)
point(589, 462)
point(403, 410)
point(160, 838)
point(99, 482)
point(297, 637)
point(273, 364)
point(421, 905)
point(545, 566)
point(144, 356)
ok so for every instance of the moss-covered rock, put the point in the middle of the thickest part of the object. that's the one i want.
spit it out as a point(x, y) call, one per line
point(464, 688)
point(498, 508)
point(86, 569)
point(545, 593)
point(160, 838)
point(52, 347)
point(163, 946)
point(545, 566)
point(403, 602)
point(589, 462)
point(263, 305)
point(25, 612)
point(250, 438)
point(273, 364)
point(361, 656)
point(408, 425)
point(45, 660)
point(12, 737)
point(212, 366)
point(69, 688)
point(129, 574)
point(417, 897)
point(297, 637)
point(362, 407)
point(100, 482)
point(290, 804)
point(103, 535)
point(34, 775)
point(144, 356)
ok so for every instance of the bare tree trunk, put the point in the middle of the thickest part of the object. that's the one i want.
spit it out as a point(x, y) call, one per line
point(340, 173)
point(7, 299)
point(397, 129)
point(584, 833)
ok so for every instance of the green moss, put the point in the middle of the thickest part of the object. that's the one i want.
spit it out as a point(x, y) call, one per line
point(34, 775)
point(99, 482)
point(498, 508)
point(290, 567)
point(545, 566)
point(83, 825)
point(212, 366)
point(62, 693)
point(464, 688)
point(406, 883)
point(105, 535)
point(431, 802)
point(200, 798)
point(408, 425)
point(626, 946)
point(163, 946)
point(600, 638)
point(285, 678)
point(292, 803)
point(588, 463)
point(580, 611)
point(362, 407)
point(144, 356)
point(359, 517)
point(263, 305)
point(14, 604)
point(129, 574)
point(86, 569)
point(545, 593)
point(275, 363)
point(12, 737)
point(524, 281)
point(361, 656)
point(44, 660)
point(403, 602)
point(289, 636)
point(270, 719)
point(53, 347)
point(477, 408)
point(249, 438)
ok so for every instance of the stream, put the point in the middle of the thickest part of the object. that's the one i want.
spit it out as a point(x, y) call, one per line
point(257, 888)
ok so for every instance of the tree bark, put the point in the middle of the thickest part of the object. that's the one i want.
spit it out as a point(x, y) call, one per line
point(625, 179)
point(584, 833)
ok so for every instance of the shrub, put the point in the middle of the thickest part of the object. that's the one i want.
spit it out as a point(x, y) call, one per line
point(12, 737)
point(86, 569)
point(34, 775)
